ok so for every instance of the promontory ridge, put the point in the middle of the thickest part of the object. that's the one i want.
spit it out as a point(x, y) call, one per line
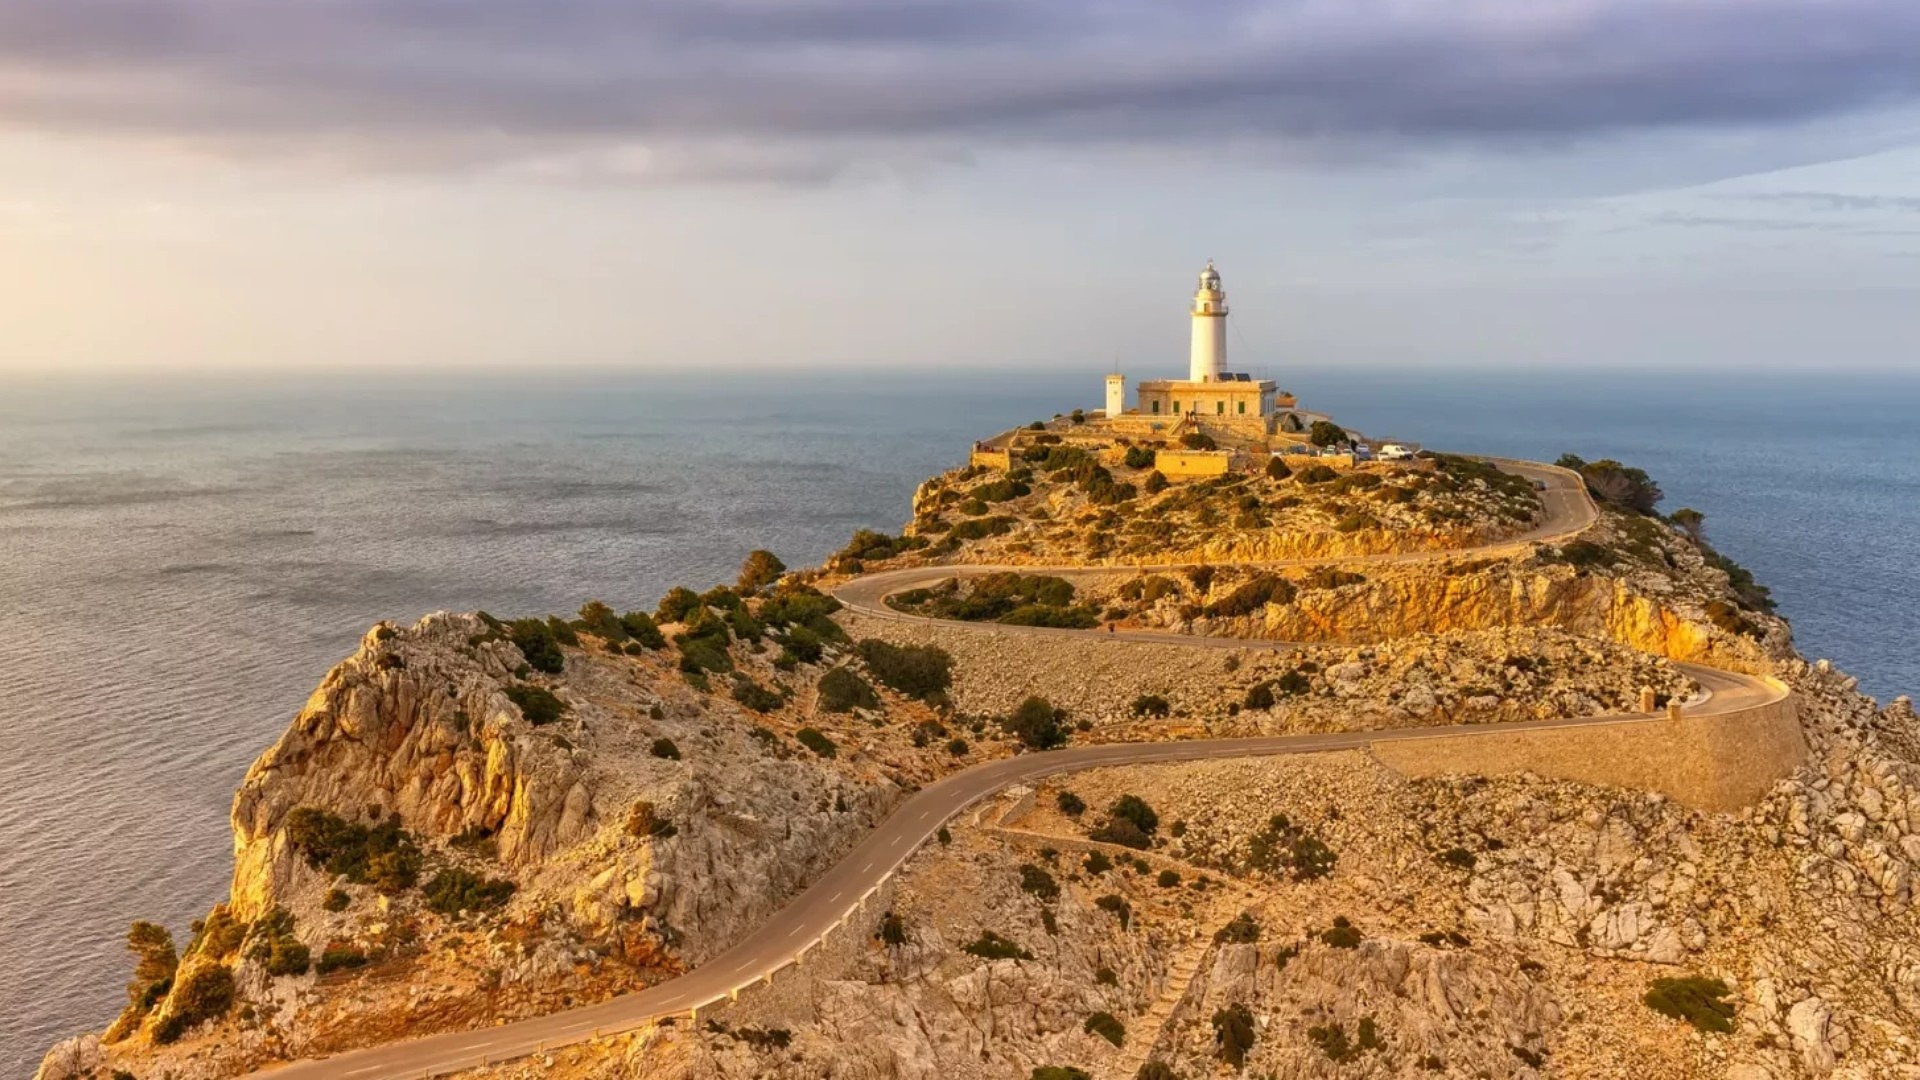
point(1201, 738)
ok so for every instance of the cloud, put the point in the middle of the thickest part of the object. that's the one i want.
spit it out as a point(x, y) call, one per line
point(796, 91)
point(1833, 200)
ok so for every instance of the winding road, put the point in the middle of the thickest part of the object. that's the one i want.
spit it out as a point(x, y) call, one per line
point(843, 892)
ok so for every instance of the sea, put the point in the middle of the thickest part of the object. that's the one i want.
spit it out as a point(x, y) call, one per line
point(183, 557)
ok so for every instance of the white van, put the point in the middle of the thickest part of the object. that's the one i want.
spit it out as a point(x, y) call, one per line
point(1393, 451)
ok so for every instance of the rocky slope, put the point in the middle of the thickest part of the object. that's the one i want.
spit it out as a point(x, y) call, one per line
point(473, 821)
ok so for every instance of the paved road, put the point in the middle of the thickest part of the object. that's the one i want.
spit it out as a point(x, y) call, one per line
point(840, 894)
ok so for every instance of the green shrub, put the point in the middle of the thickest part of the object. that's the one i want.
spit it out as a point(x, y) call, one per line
point(1252, 596)
point(1233, 1034)
point(337, 900)
point(664, 748)
point(1118, 906)
point(1097, 862)
point(893, 929)
point(598, 618)
point(1151, 705)
point(339, 956)
point(1293, 683)
point(841, 690)
point(1123, 832)
point(643, 631)
point(1259, 696)
point(383, 856)
point(678, 605)
point(1036, 880)
point(1243, 930)
point(1617, 485)
point(1277, 469)
point(1696, 999)
point(1155, 483)
point(1283, 847)
point(813, 740)
point(1104, 1025)
point(980, 528)
point(1342, 934)
point(454, 891)
point(1037, 724)
point(1459, 858)
point(920, 671)
point(1195, 440)
point(957, 747)
point(1070, 804)
point(275, 946)
point(1106, 977)
point(536, 641)
point(991, 946)
point(761, 569)
point(1168, 879)
point(205, 993)
point(1135, 809)
point(1139, 457)
point(538, 704)
point(754, 696)
point(155, 962)
point(1325, 433)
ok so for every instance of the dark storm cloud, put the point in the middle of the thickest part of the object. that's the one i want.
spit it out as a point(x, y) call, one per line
point(787, 88)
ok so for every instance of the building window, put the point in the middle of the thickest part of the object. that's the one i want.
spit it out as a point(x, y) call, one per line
point(1176, 406)
point(1156, 408)
point(1243, 408)
point(1219, 408)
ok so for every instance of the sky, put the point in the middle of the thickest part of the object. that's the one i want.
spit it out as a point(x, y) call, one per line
point(1001, 184)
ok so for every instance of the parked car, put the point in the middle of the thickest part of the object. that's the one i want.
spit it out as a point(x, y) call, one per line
point(1395, 452)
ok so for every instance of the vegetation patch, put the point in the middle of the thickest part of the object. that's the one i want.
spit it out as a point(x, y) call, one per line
point(1233, 1034)
point(842, 690)
point(1037, 724)
point(1130, 823)
point(454, 891)
point(1105, 1025)
point(1285, 848)
point(1696, 999)
point(814, 740)
point(919, 671)
point(538, 704)
point(382, 855)
point(991, 946)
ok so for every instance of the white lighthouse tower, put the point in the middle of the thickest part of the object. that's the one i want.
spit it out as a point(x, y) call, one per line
point(1209, 357)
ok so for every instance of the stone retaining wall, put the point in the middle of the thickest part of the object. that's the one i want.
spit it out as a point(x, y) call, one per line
point(1719, 763)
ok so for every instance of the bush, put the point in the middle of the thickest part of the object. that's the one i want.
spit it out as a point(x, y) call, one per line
point(1252, 596)
point(991, 946)
point(1123, 832)
point(1139, 457)
point(1155, 483)
point(1037, 724)
point(206, 993)
point(1097, 862)
point(1058, 1072)
point(1168, 879)
point(893, 929)
point(920, 671)
point(1233, 1034)
point(1118, 906)
point(813, 740)
point(754, 696)
point(1135, 809)
point(337, 900)
point(1104, 1025)
point(1035, 880)
point(1316, 474)
point(1696, 999)
point(454, 891)
point(383, 856)
point(1620, 486)
point(1283, 847)
point(1106, 977)
point(843, 691)
point(1155, 1070)
point(1325, 433)
point(678, 605)
point(538, 704)
point(1277, 469)
point(1342, 934)
point(155, 962)
point(1243, 930)
point(1195, 440)
point(339, 956)
point(643, 631)
point(1259, 696)
point(536, 641)
point(761, 569)
point(663, 748)
point(1070, 804)
point(1459, 858)
point(1151, 705)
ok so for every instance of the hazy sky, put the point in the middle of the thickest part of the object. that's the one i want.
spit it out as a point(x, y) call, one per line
point(720, 183)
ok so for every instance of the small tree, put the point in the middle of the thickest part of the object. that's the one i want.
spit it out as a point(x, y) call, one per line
point(1325, 433)
point(1037, 724)
point(761, 569)
point(1107, 1026)
point(1233, 1034)
point(893, 929)
point(1692, 522)
point(1156, 483)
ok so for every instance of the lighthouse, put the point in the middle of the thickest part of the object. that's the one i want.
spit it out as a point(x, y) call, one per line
point(1209, 357)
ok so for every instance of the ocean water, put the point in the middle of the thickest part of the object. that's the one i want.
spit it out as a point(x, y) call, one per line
point(181, 561)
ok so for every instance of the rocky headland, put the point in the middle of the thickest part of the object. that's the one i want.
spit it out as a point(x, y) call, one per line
point(476, 820)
